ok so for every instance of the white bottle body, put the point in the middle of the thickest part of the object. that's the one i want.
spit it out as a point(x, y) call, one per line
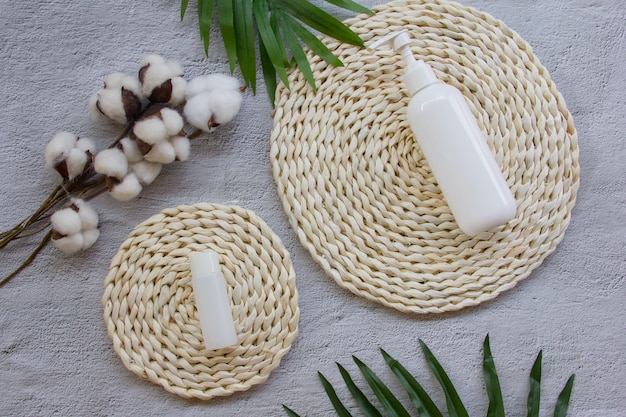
point(212, 301)
point(462, 163)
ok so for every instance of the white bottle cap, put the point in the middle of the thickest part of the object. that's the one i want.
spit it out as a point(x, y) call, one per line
point(418, 75)
point(204, 263)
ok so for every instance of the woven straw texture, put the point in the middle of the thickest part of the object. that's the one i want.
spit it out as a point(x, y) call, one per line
point(362, 198)
point(149, 305)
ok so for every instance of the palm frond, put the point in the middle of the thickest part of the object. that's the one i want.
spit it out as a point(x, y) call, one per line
point(420, 399)
point(281, 27)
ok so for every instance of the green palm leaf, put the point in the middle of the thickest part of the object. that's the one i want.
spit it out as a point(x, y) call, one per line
point(334, 399)
point(244, 38)
point(534, 396)
point(226, 20)
point(205, 13)
point(562, 403)
point(453, 401)
point(290, 412)
point(237, 19)
point(351, 5)
point(390, 403)
point(418, 396)
point(361, 399)
point(492, 383)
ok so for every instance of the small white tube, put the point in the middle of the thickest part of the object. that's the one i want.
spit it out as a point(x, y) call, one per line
point(212, 302)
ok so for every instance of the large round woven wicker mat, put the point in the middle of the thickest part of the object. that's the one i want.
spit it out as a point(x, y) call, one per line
point(359, 193)
point(149, 305)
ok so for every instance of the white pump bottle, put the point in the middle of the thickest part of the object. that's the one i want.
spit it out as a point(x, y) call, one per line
point(454, 146)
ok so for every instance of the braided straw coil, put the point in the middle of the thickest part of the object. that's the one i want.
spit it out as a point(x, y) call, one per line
point(149, 305)
point(359, 193)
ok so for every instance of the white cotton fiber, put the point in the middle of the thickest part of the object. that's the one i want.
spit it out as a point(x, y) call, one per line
point(150, 130)
point(69, 244)
point(146, 171)
point(198, 111)
point(128, 189)
point(172, 120)
point(112, 163)
point(59, 147)
point(66, 221)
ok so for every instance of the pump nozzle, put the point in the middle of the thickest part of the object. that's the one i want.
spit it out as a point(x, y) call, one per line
point(400, 41)
point(417, 74)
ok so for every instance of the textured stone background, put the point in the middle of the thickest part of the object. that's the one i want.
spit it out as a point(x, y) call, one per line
point(55, 356)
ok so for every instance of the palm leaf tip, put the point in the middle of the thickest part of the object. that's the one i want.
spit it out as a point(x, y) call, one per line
point(341, 410)
point(453, 401)
point(562, 403)
point(386, 398)
point(492, 383)
point(534, 396)
point(421, 400)
point(290, 412)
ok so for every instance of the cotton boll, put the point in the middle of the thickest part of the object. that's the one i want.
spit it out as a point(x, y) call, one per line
point(75, 162)
point(146, 171)
point(175, 68)
point(225, 105)
point(196, 86)
point(110, 104)
point(198, 111)
point(86, 145)
point(128, 189)
point(172, 120)
point(115, 80)
point(66, 222)
point(112, 163)
point(152, 78)
point(150, 130)
point(88, 216)
point(161, 152)
point(182, 147)
point(179, 87)
point(70, 244)
point(89, 238)
point(94, 112)
point(151, 59)
point(59, 147)
point(221, 82)
point(131, 150)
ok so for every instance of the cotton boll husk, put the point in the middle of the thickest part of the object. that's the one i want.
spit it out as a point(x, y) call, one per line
point(110, 104)
point(131, 150)
point(225, 105)
point(154, 76)
point(146, 171)
point(182, 147)
point(59, 147)
point(112, 163)
point(114, 80)
point(88, 216)
point(86, 145)
point(76, 161)
point(128, 189)
point(70, 244)
point(150, 130)
point(198, 111)
point(66, 221)
point(179, 87)
point(161, 152)
point(172, 120)
point(89, 238)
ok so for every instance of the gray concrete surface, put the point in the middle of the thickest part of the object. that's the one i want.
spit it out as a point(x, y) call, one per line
point(55, 356)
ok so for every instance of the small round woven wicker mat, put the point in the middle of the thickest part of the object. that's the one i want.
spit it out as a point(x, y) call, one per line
point(362, 198)
point(150, 311)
